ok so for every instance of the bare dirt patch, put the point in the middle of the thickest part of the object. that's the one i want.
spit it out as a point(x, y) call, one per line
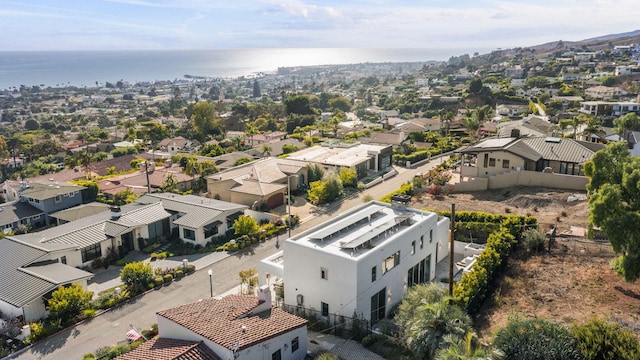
point(549, 206)
point(569, 284)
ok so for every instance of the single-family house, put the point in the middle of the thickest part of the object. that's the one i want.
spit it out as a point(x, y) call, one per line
point(235, 327)
point(197, 219)
point(19, 215)
point(29, 273)
point(178, 144)
point(499, 155)
point(263, 181)
point(361, 262)
point(538, 161)
point(365, 159)
point(604, 92)
point(47, 197)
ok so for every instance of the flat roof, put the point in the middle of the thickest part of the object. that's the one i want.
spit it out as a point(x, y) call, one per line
point(355, 232)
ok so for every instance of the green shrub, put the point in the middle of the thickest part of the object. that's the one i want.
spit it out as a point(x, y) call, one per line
point(123, 261)
point(533, 239)
point(167, 278)
point(179, 274)
point(599, 339)
point(369, 340)
point(157, 281)
point(88, 356)
point(154, 256)
point(535, 339)
point(191, 269)
point(151, 285)
point(89, 313)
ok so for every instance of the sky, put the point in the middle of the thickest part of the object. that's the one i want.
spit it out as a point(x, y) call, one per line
point(465, 25)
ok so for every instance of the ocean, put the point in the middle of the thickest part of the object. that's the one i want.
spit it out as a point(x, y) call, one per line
point(85, 68)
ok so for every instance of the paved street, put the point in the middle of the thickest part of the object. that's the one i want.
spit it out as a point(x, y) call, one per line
point(110, 327)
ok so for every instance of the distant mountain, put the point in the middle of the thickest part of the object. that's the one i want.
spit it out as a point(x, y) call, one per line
point(614, 36)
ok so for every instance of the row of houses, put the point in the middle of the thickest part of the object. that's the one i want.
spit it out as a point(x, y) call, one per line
point(35, 264)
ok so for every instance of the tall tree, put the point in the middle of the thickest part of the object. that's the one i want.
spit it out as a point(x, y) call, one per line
point(614, 200)
point(625, 124)
point(593, 125)
point(576, 121)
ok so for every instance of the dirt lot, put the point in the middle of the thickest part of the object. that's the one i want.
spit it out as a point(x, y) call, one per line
point(570, 284)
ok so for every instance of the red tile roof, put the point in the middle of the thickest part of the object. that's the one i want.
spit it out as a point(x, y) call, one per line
point(221, 321)
point(170, 349)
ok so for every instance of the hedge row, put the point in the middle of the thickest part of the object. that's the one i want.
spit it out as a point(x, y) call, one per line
point(471, 290)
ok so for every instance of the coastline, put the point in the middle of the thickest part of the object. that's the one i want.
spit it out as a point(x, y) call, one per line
point(85, 68)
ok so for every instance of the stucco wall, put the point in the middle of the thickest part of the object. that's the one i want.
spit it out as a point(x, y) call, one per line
point(524, 178)
point(263, 350)
point(349, 286)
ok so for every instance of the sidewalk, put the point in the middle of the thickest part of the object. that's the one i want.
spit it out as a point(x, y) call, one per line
point(110, 278)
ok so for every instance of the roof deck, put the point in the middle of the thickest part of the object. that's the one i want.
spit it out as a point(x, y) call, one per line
point(354, 233)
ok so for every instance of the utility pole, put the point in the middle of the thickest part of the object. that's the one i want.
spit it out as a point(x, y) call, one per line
point(452, 229)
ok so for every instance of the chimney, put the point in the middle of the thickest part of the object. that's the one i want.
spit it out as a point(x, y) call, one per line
point(264, 300)
point(115, 212)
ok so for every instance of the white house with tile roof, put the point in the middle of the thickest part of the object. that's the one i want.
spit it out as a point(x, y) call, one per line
point(235, 327)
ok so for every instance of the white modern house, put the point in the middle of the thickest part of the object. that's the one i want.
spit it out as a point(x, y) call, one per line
point(362, 261)
point(236, 327)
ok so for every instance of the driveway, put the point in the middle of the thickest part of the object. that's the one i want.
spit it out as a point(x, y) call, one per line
point(110, 327)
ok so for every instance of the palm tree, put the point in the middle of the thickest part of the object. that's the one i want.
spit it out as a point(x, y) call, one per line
point(593, 125)
point(266, 150)
point(473, 125)
point(576, 121)
point(563, 125)
point(425, 331)
point(192, 167)
point(249, 131)
point(466, 348)
point(626, 123)
point(446, 117)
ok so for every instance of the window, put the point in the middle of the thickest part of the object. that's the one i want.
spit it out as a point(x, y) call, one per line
point(91, 252)
point(36, 217)
point(325, 309)
point(390, 262)
point(421, 241)
point(294, 344)
point(58, 199)
point(492, 162)
point(431, 236)
point(378, 306)
point(188, 234)
point(210, 231)
point(505, 164)
point(420, 273)
point(63, 259)
point(324, 273)
point(276, 355)
point(374, 273)
point(413, 247)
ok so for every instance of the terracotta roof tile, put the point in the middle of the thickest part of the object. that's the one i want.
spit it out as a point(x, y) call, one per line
point(164, 349)
point(221, 320)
